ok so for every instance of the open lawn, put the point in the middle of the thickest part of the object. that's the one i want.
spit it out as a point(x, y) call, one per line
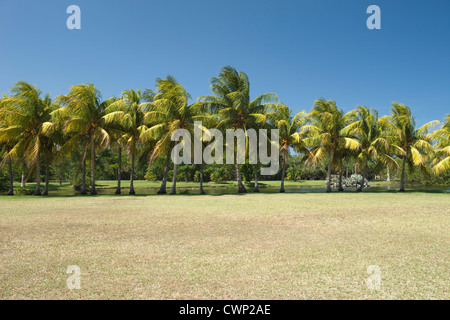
point(254, 246)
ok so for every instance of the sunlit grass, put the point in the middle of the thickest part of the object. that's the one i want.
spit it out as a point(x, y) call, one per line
point(255, 246)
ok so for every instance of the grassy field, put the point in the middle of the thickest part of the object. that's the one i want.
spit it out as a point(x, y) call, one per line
point(255, 246)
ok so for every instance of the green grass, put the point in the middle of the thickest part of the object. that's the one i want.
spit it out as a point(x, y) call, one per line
point(255, 246)
point(54, 185)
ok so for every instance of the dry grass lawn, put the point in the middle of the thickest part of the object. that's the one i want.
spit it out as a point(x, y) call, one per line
point(255, 246)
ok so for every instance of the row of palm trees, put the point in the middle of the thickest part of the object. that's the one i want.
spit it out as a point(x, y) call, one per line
point(35, 129)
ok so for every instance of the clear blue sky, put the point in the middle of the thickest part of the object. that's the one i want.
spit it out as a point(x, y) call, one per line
point(302, 49)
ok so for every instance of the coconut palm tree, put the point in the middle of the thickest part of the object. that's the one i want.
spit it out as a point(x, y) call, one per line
point(26, 112)
point(128, 113)
point(289, 132)
point(86, 125)
point(170, 111)
point(368, 130)
point(409, 143)
point(231, 101)
point(52, 138)
point(325, 134)
point(5, 148)
point(442, 138)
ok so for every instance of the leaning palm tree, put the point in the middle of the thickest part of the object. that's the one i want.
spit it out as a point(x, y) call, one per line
point(368, 130)
point(25, 113)
point(85, 110)
point(289, 128)
point(231, 101)
point(442, 138)
point(325, 134)
point(170, 111)
point(409, 143)
point(128, 114)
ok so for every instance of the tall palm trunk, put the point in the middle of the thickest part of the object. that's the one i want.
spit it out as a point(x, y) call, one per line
point(162, 189)
point(363, 175)
point(11, 177)
point(201, 179)
point(46, 179)
point(283, 172)
point(329, 171)
point(93, 192)
point(119, 170)
point(83, 177)
point(256, 188)
point(38, 174)
point(402, 179)
point(388, 176)
point(132, 172)
point(174, 180)
point(241, 188)
point(340, 188)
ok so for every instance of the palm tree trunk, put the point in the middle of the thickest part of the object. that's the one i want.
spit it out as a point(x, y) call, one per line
point(363, 175)
point(241, 188)
point(38, 174)
point(11, 177)
point(360, 189)
point(174, 180)
point(340, 188)
point(83, 178)
point(388, 176)
point(93, 192)
point(132, 173)
point(162, 189)
point(402, 179)
point(119, 171)
point(46, 179)
point(201, 179)
point(283, 173)
point(256, 188)
point(329, 171)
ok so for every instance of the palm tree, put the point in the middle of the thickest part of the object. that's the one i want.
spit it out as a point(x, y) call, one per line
point(5, 148)
point(442, 138)
point(290, 137)
point(231, 101)
point(411, 144)
point(26, 113)
point(85, 109)
point(129, 113)
point(325, 134)
point(367, 129)
point(52, 138)
point(170, 111)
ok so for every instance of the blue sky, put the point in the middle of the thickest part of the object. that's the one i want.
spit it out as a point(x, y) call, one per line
point(302, 50)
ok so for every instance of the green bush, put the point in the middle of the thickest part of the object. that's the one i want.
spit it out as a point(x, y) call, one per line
point(219, 174)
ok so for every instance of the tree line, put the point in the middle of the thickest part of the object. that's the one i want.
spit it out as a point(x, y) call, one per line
point(36, 131)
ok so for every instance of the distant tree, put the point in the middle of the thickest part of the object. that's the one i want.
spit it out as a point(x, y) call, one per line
point(325, 134)
point(289, 127)
point(26, 115)
point(85, 125)
point(411, 144)
point(442, 138)
point(231, 101)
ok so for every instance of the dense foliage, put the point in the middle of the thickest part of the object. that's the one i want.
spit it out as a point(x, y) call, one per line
point(79, 137)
